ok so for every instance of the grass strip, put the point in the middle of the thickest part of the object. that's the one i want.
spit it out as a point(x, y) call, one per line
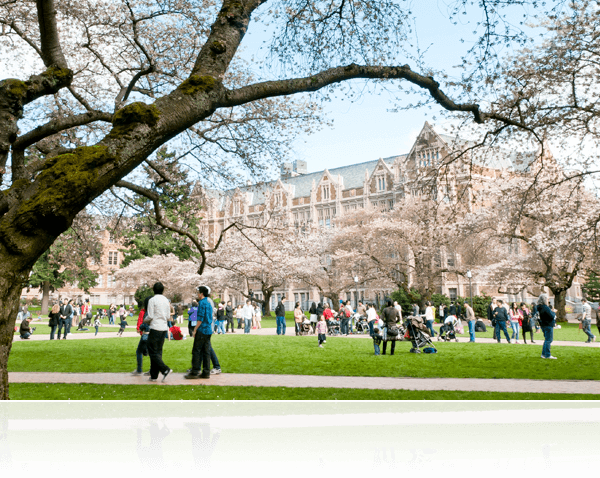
point(103, 409)
point(301, 356)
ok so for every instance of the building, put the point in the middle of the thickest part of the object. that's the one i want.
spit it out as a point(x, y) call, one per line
point(303, 200)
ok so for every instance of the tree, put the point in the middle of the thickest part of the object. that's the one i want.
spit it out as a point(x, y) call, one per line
point(591, 287)
point(90, 126)
point(543, 227)
point(69, 260)
point(265, 257)
point(178, 277)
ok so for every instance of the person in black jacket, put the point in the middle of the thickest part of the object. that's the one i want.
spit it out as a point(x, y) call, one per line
point(229, 316)
point(280, 316)
point(490, 315)
point(66, 315)
point(547, 317)
point(501, 317)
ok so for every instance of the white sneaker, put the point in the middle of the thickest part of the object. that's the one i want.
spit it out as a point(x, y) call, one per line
point(215, 371)
point(551, 357)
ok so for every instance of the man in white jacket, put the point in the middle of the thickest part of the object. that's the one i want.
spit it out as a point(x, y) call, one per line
point(248, 313)
point(159, 311)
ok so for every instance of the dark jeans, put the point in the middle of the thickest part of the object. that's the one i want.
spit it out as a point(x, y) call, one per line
point(240, 323)
point(548, 331)
point(393, 346)
point(142, 349)
point(156, 340)
point(191, 328)
point(229, 324)
point(214, 359)
point(201, 353)
point(26, 335)
point(525, 336)
point(52, 332)
point(371, 332)
point(344, 326)
point(322, 338)
point(63, 323)
point(501, 326)
point(248, 325)
point(280, 321)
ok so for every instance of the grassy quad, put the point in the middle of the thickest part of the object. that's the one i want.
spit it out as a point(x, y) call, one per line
point(301, 356)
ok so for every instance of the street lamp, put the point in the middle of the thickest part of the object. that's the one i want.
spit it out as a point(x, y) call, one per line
point(470, 287)
point(356, 296)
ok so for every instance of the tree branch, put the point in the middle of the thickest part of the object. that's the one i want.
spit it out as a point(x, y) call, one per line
point(51, 50)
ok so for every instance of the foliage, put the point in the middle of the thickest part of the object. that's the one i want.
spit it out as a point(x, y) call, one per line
point(406, 298)
point(591, 287)
point(142, 293)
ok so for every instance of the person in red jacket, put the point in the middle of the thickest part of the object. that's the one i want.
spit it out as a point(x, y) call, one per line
point(327, 313)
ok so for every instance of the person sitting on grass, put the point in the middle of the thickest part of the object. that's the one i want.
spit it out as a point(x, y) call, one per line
point(176, 333)
point(321, 330)
point(122, 325)
point(377, 339)
point(25, 330)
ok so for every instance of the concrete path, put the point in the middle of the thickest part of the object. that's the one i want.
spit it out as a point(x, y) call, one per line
point(310, 381)
point(301, 421)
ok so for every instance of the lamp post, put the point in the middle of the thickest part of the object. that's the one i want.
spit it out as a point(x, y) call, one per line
point(356, 295)
point(470, 287)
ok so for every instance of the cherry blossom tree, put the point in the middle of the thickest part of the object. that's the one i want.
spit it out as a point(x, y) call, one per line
point(541, 230)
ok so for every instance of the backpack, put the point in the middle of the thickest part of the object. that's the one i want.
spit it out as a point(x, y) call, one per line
point(347, 312)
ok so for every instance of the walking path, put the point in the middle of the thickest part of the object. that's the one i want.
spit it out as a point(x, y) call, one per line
point(302, 421)
point(316, 381)
point(290, 333)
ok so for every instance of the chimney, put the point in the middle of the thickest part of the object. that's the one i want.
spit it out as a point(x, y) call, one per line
point(300, 167)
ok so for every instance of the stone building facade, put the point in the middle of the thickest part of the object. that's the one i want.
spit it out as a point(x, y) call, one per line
point(306, 200)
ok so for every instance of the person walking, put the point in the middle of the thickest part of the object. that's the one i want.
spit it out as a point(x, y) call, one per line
point(54, 319)
point(321, 330)
point(313, 317)
point(586, 321)
point(280, 316)
point(371, 317)
point(515, 318)
point(248, 312)
point(221, 318)
point(157, 316)
point(547, 321)
point(239, 314)
point(229, 317)
point(490, 315)
point(470, 321)
point(526, 324)
point(298, 318)
point(144, 330)
point(429, 318)
point(500, 319)
point(112, 310)
point(97, 324)
point(202, 335)
point(391, 317)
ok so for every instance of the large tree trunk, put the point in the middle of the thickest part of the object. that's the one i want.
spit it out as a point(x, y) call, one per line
point(267, 294)
point(11, 286)
point(560, 304)
point(45, 297)
point(335, 298)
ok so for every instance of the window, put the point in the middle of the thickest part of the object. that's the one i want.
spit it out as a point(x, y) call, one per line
point(381, 184)
point(111, 239)
point(325, 193)
point(514, 247)
point(391, 204)
point(450, 259)
point(236, 207)
point(113, 258)
point(452, 293)
point(278, 201)
point(112, 282)
point(328, 217)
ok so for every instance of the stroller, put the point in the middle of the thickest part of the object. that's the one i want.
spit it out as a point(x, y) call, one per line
point(362, 326)
point(333, 327)
point(418, 333)
point(447, 331)
point(304, 327)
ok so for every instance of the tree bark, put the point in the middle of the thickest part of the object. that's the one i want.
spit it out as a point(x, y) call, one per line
point(267, 294)
point(560, 304)
point(12, 281)
point(45, 297)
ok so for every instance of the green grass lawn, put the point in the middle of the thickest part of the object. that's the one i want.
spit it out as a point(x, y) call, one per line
point(301, 356)
point(573, 443)
point(379, 401)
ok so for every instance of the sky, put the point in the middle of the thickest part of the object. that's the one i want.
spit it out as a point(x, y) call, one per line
point(366, 130)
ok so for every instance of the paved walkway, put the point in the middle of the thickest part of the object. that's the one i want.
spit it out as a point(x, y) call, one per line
point(310, 381)
point(302, 421)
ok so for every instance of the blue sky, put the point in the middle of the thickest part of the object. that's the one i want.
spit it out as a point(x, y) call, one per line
point(365, 130)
